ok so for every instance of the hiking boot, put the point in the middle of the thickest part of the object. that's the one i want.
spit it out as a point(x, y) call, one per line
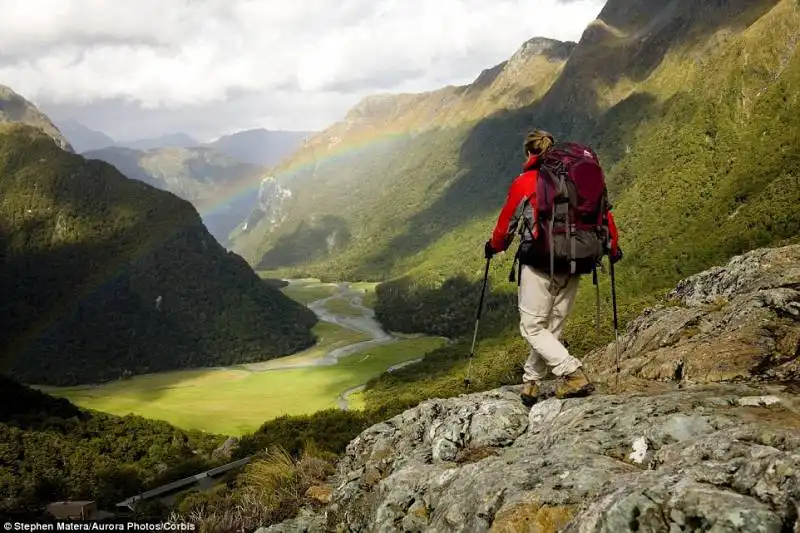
point(530, 393)
point(574, 385)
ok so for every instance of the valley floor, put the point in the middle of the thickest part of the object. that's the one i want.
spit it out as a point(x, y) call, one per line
point(352, 348)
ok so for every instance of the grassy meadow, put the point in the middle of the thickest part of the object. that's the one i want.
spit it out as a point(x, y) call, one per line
point(238, 399)
point(341, 306)
point(308, 292)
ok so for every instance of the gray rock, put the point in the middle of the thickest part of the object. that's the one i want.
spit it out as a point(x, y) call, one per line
point(686, 460)
point(305, 522)
point(736, 322)
point(681, 427)
point(543, 413)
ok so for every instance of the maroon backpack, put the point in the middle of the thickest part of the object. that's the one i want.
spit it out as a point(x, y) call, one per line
point(571, 206)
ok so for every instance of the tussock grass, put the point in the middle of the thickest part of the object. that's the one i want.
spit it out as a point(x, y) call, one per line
point(271, 489)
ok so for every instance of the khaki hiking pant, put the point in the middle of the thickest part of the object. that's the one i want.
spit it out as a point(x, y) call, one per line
point(542, 315)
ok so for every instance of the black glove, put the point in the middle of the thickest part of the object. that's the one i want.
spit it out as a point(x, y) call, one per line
point(488, 251)
point(615, 257)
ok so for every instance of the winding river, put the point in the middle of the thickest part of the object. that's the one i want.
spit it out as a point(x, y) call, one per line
point(365, 323)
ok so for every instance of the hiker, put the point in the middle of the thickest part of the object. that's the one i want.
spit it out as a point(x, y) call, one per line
point(547, 284)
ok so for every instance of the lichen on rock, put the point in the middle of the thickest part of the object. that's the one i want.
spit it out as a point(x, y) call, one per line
point(707, 457)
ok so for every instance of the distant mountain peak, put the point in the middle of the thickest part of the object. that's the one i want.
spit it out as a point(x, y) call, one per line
point(178, 140)
point(260, 146)
point(559, 50)
point(82, 138)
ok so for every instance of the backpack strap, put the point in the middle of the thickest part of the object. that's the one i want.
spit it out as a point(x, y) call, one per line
point(516, 266)
point(516, 269)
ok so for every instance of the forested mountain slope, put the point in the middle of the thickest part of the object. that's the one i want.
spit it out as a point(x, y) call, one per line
point(357, 185)
point(52, 450)
point(103, 276)
point(691, 106)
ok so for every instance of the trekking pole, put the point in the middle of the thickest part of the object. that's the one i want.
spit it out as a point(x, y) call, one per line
point(614, 305)
point(477, 320)
point(596, 283)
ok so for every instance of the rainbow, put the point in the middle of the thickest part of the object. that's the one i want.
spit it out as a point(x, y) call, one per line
point(301, 162)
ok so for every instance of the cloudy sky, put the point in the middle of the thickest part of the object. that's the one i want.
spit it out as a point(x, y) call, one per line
point(144, 68)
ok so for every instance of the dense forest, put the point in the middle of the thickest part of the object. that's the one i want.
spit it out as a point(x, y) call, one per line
point(102, 276)
point(51, 450)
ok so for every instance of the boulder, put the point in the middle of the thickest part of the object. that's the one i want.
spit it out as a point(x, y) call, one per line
point(737, 322)
point(712, 458)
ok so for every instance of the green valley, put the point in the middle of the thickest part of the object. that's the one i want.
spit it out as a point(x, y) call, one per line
point(237, 400)
point(349, 292)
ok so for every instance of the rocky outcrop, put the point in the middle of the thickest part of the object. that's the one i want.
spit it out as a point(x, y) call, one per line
point(270, 206)
point(703, 433)
point(715, 458)
point(225, 451)
point(306, 521)
point(732, 323)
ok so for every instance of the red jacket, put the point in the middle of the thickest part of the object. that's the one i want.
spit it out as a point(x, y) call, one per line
point(524, 188)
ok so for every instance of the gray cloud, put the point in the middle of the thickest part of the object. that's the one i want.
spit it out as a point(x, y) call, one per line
point(209, 67)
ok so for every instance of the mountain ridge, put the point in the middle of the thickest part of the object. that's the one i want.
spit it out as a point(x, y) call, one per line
point(260, 146)
point(104, 276)
point(83, 138)
point(256, 146)
point(676, 102)
point(168, 140)
point(14, 108)
point(379, 130)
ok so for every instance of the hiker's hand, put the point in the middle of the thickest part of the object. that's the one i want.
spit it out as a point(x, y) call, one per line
point(488, 251)
point(615, 257)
